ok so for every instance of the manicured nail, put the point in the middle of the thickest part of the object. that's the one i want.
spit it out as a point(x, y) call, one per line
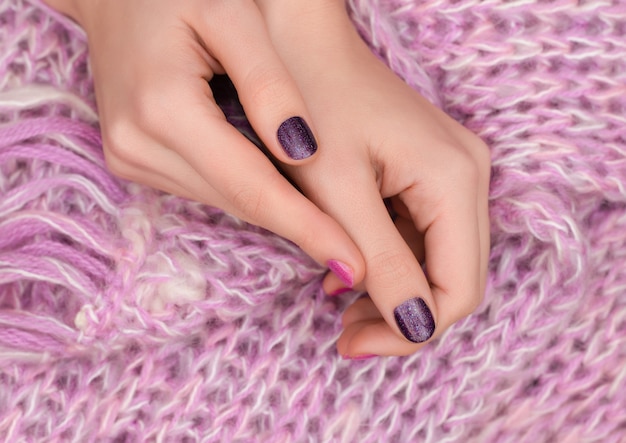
point(415, 320)
point(359, 357)
point(296, 138)
point(343, 271)
point(339, 291)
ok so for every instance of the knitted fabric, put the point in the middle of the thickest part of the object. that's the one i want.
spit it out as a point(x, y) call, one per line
point(129, 315)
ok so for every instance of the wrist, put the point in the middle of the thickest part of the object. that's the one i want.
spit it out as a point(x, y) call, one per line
point(300, 27)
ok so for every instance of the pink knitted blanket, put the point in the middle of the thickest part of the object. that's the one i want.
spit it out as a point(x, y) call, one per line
point(127, 315)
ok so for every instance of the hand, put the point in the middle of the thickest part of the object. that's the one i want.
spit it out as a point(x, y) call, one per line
point(380, 139)
point(151, 62)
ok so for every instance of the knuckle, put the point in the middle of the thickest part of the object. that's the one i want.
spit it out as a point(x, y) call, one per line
point(482, 155)
point(308, 239)
point(151, 111)
point(116, 166)
point(153, 104)
point(390, 269)
point(249, 201)
point(477, 151)
point(469, 304)
point(116, 139)
point(121, 154)
point(267, 86)
point(463, 167)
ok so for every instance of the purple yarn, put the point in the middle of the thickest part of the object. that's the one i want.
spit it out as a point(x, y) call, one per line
point(130, 315)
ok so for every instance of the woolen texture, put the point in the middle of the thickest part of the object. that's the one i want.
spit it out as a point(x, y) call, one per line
point(128, 315)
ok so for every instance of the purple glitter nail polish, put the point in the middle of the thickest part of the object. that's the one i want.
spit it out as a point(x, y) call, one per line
point(415, 320)
point(296, 138)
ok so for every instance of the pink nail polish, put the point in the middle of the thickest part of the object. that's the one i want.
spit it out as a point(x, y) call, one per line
point(343, 271)
point(339, 292)
point(359, 357)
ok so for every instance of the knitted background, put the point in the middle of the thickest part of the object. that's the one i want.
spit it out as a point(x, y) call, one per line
point(127, 315)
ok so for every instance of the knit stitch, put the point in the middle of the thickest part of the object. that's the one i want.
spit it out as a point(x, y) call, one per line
point(130, 315)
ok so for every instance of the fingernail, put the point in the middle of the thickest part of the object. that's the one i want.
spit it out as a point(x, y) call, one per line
point(343, 271)
point(359, 357)
point(339, 291)
point(296, 138)
point(415, 320)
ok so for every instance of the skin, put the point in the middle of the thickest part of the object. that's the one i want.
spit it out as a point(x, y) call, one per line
point(161, 126)
point(378, 139)
point(382, 139)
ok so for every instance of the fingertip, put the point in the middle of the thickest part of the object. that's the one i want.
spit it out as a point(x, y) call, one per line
point(361, 310)
point(333, 286)
point(363, 339)
point(374, 337)
point(343, 344)
point(330, 245)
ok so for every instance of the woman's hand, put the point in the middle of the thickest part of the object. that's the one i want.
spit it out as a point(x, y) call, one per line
point(151, 62)
point(380, 139)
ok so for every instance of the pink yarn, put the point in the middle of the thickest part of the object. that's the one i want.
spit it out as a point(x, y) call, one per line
point(129, 315)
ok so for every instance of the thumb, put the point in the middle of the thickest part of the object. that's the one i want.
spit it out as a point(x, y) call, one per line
point(268, 93)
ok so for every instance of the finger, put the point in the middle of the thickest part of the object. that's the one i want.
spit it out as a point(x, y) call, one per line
point(166, 170)
point(455, 248)
point(361, 310)
point(239, 178)
point(454, 254)
point(373, 337)
point(252, 187)
point(413, 238)
point(269, 95)
point(333, 286)
point(367, 333)
point(170, 172)
point(394, 278)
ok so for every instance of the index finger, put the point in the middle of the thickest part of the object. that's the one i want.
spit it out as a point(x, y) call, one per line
point(246, 179)
point(236, 34)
